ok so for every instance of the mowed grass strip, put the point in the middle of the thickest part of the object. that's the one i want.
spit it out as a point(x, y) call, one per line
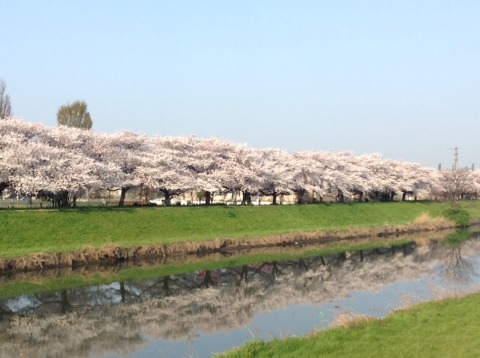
point(447, 328)
point(25, 232)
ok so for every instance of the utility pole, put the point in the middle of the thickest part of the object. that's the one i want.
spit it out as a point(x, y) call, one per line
point(456, 158)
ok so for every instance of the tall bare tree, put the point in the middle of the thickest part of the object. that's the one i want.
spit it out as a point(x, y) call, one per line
point(5, 105)
point(74, 115)
point(457, 184)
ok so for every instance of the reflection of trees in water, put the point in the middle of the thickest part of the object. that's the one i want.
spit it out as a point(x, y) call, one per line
point(265, 275)
point(457, 268)
point(5, 313)
point(176, 307)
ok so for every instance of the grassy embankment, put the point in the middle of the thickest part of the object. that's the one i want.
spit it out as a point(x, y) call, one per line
point(447, 328)
point(24, 233)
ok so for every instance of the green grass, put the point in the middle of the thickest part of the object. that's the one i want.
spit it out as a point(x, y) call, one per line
point(447, 328)
point(24, 232)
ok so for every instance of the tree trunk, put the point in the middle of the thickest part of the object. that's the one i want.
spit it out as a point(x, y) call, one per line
point(208, 197)
point(168, 197)
point(246, 198)
point(62, 199)
point(300, 194)
point(3, 186)
point(274, 198)
point(123, 193)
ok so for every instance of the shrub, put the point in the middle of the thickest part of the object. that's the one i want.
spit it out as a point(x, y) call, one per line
point(459, 216)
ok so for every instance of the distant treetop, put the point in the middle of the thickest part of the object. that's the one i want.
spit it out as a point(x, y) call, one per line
point(74, 115)
point(5, 105)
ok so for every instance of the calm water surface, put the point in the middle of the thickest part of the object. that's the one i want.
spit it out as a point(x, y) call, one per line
point(200, 313)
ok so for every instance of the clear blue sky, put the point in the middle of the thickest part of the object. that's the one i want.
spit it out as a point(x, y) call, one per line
point(401, 78)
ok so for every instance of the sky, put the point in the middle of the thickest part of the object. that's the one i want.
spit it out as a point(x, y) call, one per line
point(400, 78)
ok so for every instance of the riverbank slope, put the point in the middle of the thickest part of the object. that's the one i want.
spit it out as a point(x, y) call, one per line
point(32, 239)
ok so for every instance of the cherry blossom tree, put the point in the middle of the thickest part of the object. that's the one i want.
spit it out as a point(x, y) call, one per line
point(305, 175)
point(337, 178)
point(272, 168)
point(72, 174)
point(34, 166)
point(413, 180)
point(15, 135)
point(321, 173)
point(206, 158)
point(166, 168)
point(475, 184)
point(10, 145)
point(239, 175)
point(125, 151)
point(79, 153)
point(68, 162)
point(382, 184)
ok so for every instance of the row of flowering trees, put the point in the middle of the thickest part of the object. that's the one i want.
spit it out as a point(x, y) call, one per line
point(66, 163)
